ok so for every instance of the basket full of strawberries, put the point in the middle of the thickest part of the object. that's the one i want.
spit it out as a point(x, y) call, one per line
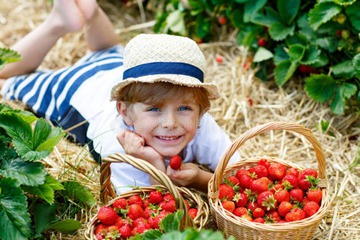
point(266, 198)
point(143, 208)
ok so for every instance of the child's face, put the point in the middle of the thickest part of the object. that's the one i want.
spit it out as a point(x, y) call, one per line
point(168, 127)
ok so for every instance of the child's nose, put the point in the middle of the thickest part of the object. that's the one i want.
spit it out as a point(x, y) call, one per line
point(170, 120)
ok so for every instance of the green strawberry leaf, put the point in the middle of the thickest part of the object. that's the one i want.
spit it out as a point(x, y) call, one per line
point(8, 56)
point(356, 64)
point(279, 31)
point(322, 13)
point(175, 22)
point(66, 226)
point(44, 215)
point(75, 191)
point(342, 93)
point(288, 10)
point(262, 54)
point(45, 191)
point(311, 55)
point(344, 70)
point(284, 71)
point(353, 14)
point(296, 52)
point(25, 173)
point(15, 219)
point(320, 87)
point(252, 8)
point(172, 221)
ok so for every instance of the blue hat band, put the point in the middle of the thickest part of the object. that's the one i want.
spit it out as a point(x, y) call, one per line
point(155, 68)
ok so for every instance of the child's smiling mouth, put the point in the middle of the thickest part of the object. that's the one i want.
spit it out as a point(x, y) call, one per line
point(168, 138)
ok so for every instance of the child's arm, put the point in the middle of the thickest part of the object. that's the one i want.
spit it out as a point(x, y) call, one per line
point(190, 175)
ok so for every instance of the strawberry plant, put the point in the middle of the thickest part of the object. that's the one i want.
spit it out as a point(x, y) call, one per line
point(31, 200)
point(8, 56)
point(314, 40)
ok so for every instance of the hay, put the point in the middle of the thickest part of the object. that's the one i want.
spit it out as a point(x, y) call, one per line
point(234, 112)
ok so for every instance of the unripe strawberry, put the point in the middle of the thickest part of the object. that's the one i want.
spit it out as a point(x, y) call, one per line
point(175, 162)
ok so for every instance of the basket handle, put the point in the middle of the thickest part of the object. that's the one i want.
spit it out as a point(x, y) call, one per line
point(107, 192)
point(218, 175)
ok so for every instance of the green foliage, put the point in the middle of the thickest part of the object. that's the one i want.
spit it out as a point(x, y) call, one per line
point(315, 40)
point(8, 56)
point(32, 201)
point(170, 230)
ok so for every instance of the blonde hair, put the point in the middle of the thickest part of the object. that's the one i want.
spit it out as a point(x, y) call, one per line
point(159, 92)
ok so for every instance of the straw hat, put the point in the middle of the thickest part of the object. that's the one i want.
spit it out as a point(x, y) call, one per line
point(150, 58)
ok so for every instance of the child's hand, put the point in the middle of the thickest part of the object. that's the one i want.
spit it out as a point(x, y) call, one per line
point(185, 176)
point(134, 145)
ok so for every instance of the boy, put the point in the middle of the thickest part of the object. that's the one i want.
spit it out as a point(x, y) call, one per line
point(159, 98)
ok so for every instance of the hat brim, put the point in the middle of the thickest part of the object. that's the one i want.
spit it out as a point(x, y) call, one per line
point(181, 80)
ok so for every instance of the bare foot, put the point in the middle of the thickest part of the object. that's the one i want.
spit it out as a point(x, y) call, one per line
point(66, 16)
point(87, 7)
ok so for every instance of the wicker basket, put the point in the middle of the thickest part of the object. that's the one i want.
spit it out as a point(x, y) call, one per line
point(107, 192)
point(244, 229)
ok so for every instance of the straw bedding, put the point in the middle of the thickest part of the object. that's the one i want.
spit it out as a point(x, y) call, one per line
point(246, 102)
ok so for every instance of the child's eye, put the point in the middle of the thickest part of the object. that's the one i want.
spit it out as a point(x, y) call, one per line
point(153, 109)
point(184, 108)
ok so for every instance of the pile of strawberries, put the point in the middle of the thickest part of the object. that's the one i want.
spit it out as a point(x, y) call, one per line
point(133, 215)
point(271, 193)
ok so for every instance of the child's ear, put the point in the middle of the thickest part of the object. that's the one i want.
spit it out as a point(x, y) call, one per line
point(123, 110)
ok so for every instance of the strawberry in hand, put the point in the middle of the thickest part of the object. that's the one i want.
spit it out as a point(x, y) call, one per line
point(175, 162)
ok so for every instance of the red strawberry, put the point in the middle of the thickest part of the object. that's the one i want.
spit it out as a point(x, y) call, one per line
point(219, 58)
point(277, 171)
point(247, 217)
point(314, 194)
point(175, 162)
point(260, 185)
point(284, 208)
point(222, 20)
point(228, 205)
point(290, 181)
point(119, 222)
point(244, 178)
point(259, 220)
point(226, 192)
point(266, 200)
point(232, 181)
point(100, 228)
point(310, 208)
point(155, 197)
point(135, 199)
point(282, 196)
point(264, 162)
point(308, 178)
point(273, 216)
point(168, 197)
point(240, 199)
point(239, 211)
point(193, 212)
point(135, 211)
point(295, 215)
point(252, 205)
point(107, 215)
point(292, 171)
point(169, 206)
point(276, 187)
point(259, 171)
point(262, 42)
point(296, 195)
point(120, 203)
point(258, 212)
point(125, 231)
